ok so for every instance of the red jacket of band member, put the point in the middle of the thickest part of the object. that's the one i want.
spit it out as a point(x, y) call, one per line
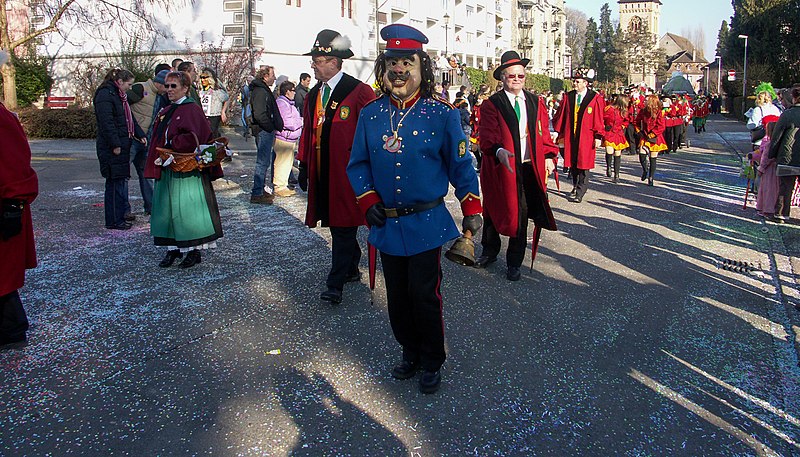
point(18, 181)
point(579, 145)
point(501, 189)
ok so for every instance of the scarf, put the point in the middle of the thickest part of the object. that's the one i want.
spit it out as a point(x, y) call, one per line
point(127, 108)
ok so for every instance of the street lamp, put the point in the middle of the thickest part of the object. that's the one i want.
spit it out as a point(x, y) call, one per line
point(446, 24)
point(744, 76)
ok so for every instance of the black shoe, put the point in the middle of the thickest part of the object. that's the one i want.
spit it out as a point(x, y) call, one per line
point(16, 339)
point(405, 369)
point(650, 181)
point(192, 258)
point(354, 277)
point(169, 258)
point(615, 179)
point(430, 381)
point(577, 199)
point(484, 261)
point(332, 295)
point(122, 226)
point(513, 274)
point(644, 175)
point(130, 217)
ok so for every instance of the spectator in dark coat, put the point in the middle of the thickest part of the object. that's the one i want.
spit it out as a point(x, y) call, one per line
point(267, 122)
point(301, 91)
point(116, 129)
point(785, 148)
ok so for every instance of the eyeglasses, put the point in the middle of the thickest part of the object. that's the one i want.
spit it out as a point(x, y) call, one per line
point(513, 76)
point(321, 60)
point(171, 86)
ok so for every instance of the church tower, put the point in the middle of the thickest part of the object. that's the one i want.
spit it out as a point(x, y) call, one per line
point(633, 15)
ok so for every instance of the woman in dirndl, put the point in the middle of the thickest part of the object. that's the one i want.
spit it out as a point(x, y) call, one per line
point(615, 118)
point(185, 217)
point(650, 125)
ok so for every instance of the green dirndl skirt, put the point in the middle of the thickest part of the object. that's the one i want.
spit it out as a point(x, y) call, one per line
point(185, 211)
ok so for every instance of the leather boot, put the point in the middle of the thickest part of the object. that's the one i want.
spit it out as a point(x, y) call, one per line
point(652, 171)
point(170, 258)
point(645, 168)
point(608, 165)
point(617, 160)
point(192, 258)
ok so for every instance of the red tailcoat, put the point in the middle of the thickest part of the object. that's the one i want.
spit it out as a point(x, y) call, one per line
point(579, 149)
point(615, 137)
point(325, 152)
point(502, 190)
point(18, 181)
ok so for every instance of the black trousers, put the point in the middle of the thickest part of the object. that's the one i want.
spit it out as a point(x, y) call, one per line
point(630, 135)
point(490, 238)
point(345, 255)
point(580, 179)
point(415, 305)
point(13, 321)
point(785, 188)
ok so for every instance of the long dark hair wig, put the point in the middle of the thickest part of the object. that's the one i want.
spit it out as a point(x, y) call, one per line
point(425, 87)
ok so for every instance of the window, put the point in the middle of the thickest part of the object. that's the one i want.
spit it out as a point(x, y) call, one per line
point(347, 9)
point(470, 11)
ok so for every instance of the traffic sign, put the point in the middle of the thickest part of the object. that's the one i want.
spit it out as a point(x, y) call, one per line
point(731, 75)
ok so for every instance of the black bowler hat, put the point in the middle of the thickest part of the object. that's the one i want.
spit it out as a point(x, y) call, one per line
point(583, 73)
point(509, 59)
point(402, 40)
point(331, 43)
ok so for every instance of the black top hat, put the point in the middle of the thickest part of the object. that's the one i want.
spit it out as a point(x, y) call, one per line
point(331, 43)
point(509, 59)
point(583, 73)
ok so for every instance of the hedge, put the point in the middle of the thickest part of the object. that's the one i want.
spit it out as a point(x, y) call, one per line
point(72, 122)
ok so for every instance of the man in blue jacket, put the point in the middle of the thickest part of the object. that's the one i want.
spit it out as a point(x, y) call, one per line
point(408, 147)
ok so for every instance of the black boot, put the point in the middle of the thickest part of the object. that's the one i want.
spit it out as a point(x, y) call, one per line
point(192, 258)
point(608, 165)
point(652, 171)
point(170, 258)
point(645, 168)
point(617, 160)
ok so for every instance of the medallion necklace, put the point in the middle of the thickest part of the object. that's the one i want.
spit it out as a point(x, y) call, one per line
point(394, 142)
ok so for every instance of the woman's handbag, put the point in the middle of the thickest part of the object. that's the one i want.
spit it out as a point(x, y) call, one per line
point(757, 134)
point(204, 156)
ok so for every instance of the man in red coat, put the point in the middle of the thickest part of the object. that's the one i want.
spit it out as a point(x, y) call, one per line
point(519, 155)
point(18, 188)
point(579, 123)
point(330, 115)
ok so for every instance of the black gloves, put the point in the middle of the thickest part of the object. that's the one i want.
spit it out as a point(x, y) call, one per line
point(11, 218)
point(376, 216)
point(472, 223)
point(302, 177)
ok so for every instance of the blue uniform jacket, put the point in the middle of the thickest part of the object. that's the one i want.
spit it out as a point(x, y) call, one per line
point(432, 154)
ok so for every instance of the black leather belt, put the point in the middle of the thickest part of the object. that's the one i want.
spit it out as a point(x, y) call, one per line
point(406, 210)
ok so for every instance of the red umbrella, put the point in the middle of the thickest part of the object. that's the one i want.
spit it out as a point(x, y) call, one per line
point(555, 175)
point(373, 261)
point(537, 234)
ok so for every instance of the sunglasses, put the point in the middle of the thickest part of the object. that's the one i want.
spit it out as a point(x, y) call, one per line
point(513, 76)
point(171, 86)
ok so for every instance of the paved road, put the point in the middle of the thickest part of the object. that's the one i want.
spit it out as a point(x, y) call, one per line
point(627, 338)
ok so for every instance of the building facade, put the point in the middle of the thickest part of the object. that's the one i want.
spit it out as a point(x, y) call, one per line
point(540, 36)
point(684, 57)
point(633, 16)
point(472, 32)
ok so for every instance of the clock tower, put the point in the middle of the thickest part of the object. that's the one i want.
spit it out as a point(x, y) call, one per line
point(634, 15)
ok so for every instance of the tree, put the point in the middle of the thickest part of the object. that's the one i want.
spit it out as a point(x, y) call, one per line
point(605, 43)
point(722, 38)
point(589, 59)
point(615, 60)
point(102, 14)
point(642, 54)
point(576, 32)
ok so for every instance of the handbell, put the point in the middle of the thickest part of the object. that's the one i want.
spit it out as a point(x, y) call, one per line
point(462, 251)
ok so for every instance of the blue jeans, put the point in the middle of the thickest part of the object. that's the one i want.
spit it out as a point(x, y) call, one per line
point(265, 157)
point(138, 158)
point(116, 201)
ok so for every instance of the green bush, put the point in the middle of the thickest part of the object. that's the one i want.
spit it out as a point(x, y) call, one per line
point(32, 79)
point(72, 122)
point(543, 83)
point(477, 77)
